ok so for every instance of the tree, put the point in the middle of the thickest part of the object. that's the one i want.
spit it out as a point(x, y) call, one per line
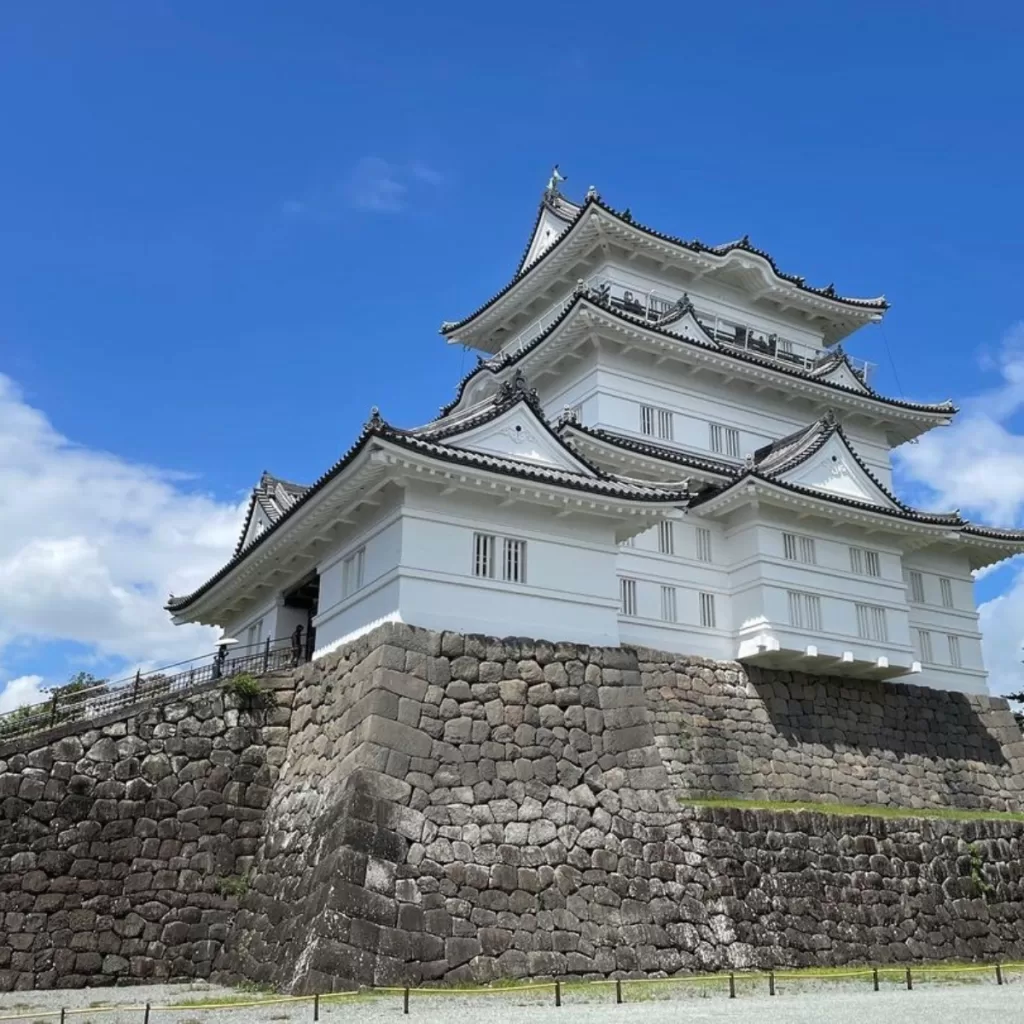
point(1017, 698)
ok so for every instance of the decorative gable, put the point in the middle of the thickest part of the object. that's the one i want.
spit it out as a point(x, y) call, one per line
point(549, 227)
point(518, 434)
point(842, 375)
point(835, 470)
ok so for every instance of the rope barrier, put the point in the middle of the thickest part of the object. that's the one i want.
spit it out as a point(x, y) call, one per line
point(723, 978)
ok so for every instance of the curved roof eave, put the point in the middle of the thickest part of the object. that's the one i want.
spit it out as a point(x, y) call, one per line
point(827, 294)
point(939, 409)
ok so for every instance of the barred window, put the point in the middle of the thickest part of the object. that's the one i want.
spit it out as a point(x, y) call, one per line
point(703, 544)
point(798, 548)
point(647, 420)
point(665, 424)
point(668, 604)
point(865, 562)
point(924, 646)
point(667, 537)
point(804, 610)
point(916, 581)
point(514, 561)
point(871, 622)
point(946, 590)
point(483, 554)
point(352, 572)
point(707, 610)
point(954, 651)
point(627, 596)
point(724, 440)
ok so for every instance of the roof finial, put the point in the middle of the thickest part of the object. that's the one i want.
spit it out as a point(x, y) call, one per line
point(592, 194)
point(376, 421)
point(829, 419)
point(570, 414)
point(557, 177)
point(514, 389)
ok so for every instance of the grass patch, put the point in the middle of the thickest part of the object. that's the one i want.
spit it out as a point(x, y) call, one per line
point(870, 810)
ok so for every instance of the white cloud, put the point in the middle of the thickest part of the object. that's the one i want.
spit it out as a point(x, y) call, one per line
point(977, 465)
point(374, 185)
point(23, 690)
point(93, 544)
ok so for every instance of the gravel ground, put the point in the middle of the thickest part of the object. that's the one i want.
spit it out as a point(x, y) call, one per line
point(980, 1002)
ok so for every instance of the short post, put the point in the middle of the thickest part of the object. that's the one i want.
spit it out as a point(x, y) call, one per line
point(732, 985)
point(53, 710)
point(145, 1020)
point(266, 655)
point(874, 975)
point(135, 685)
point(999, 975)
point(558, 993)
point(910, 980)
point(618, 991)
point(405, 1001)
point(771, 983)
point(316, 1006)
point(62, 1012)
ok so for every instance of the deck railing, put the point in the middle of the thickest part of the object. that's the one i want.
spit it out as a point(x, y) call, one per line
point(651, 306)
point(73, 705)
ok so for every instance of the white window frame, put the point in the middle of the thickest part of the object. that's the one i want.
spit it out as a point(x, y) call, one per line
point(667, 537)
point(627, 596)
point(353, 571)
point(705, 552)
point(708, 618)
point(946, 591)
point(485, 564)
point(915, 583)
point(254, 634)
point(669, 604)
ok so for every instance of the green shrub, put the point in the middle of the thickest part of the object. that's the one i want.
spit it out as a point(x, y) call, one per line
point(246, 687)
point(16, 720)
point(233, 885)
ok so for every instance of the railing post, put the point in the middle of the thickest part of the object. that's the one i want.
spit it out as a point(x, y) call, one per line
point(558, 993)
point(405, 1001)
point(999, 975)
point(135, 685)
point(266, 655)
point(316, 1006)
point(63, 1011)
point(874, 975)
point(732, 985)
point(145, 1020)
point(771, 983)
point(618, 991)
point(910, 980)
point(53, 711)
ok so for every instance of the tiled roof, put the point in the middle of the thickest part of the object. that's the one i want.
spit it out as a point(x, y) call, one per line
point(655, 451)
point(496, 366)
point(376, 429)
point(274, 497)
point(694, 245)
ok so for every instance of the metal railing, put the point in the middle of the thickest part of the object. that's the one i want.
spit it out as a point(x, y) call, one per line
point(651, 306)
point(67, 705)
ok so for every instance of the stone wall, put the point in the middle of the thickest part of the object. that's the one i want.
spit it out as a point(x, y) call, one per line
point(728, 731)
point(422, 806)
point(123, 846)
point(457, 807)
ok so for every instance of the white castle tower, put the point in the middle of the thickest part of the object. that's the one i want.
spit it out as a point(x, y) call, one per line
point(664, 444)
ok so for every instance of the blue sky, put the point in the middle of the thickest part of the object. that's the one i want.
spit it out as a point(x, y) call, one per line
point(227, 230)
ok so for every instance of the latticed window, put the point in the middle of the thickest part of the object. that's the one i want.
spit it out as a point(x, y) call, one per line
point(665, 424)
point(668, 604)
point(724, 440)
point(627, 596)
point(707, 610)
point(946, 591)
point(667, 537)
point(703, 544)
point(871, 622)
point(804, 610)
point(916, 581)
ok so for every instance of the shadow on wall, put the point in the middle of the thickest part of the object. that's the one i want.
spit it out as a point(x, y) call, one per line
point(877, 718)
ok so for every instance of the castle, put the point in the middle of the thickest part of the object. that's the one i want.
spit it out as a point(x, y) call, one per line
point(664, 444)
